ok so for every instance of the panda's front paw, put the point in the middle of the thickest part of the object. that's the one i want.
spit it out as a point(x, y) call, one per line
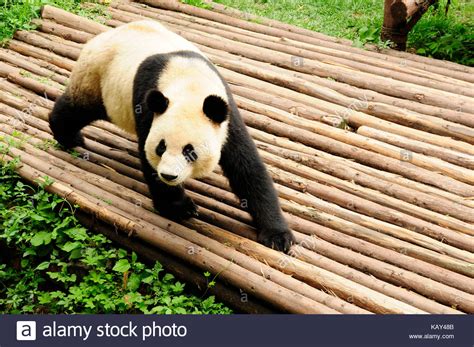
point(69, 142)
point(177, 210)
point(276, 238)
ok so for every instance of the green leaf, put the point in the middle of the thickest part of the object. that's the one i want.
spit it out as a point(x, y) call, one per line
point(69, 246)
point(43, 265)
point(40, 238)
point(134, 282)
point(122, 265)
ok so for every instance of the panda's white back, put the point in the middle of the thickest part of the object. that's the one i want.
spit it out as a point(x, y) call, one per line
point(108, 63)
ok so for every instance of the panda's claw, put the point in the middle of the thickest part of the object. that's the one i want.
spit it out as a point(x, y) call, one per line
point(278, 239)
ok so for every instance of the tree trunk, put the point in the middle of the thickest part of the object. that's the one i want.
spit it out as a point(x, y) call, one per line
point(399, 18)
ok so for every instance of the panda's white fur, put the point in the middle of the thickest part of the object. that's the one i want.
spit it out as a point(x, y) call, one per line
point(110, 62)
point(152, 82)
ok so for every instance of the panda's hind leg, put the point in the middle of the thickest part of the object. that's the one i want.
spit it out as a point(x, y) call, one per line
point(69, 117)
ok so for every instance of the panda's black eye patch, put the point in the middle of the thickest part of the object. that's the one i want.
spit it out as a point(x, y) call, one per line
point(161, 148)
point(189, 153)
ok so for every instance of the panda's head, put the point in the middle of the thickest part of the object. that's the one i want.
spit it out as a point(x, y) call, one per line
point(186, 135)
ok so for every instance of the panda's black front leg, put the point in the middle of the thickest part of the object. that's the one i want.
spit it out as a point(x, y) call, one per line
point(170, 201)
point(251, 182)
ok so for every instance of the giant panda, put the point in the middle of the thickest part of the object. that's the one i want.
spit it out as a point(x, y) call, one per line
point(153, 83)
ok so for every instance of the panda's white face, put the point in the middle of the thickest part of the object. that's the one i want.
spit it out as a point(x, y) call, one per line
point(184, 142)
point(190, 121)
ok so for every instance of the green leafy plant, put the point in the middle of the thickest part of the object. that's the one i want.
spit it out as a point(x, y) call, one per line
point(17, 14)
point(49, 263)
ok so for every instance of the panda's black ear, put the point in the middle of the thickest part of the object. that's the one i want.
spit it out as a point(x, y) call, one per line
point(215, 108)
point(156, 101)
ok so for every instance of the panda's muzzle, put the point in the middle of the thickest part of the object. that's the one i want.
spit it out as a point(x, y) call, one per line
point(169, 178)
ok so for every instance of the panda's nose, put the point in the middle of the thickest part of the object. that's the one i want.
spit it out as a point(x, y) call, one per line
point(169, 178)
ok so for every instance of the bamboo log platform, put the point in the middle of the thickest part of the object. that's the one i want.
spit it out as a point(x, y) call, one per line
point(372, 154)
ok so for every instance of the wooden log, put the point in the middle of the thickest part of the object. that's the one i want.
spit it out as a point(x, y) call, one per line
point(391, 113)
point(437, 165)
point(351, 227)
point(395, 72)
point(331, 220)
point(40, 53)
point(357, 78)
point(387, 179)
point(182, 271)
point(360, 246)
point(352, 176)
point(39, 41)
point(216, 17)
point(177, 246)
point(305, 106)
point(451, 156)
point(58, 40)
point(70, 20)
point(140, 200)
point(27, 65)
point(361, 155)
point(89, 153)
point(269, 22)
point(374, 210)
point(41, 63)
point(378, 300)
point(365, 95)
point(216, 7)
point(450, 75)
point(370, 281)
point(65, 32)
point(27, 82)
point(303, 251)
point(101, 184)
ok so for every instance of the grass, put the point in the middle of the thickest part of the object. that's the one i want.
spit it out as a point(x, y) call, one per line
point(17, 14)
point(49, 263)
point(448, 37)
